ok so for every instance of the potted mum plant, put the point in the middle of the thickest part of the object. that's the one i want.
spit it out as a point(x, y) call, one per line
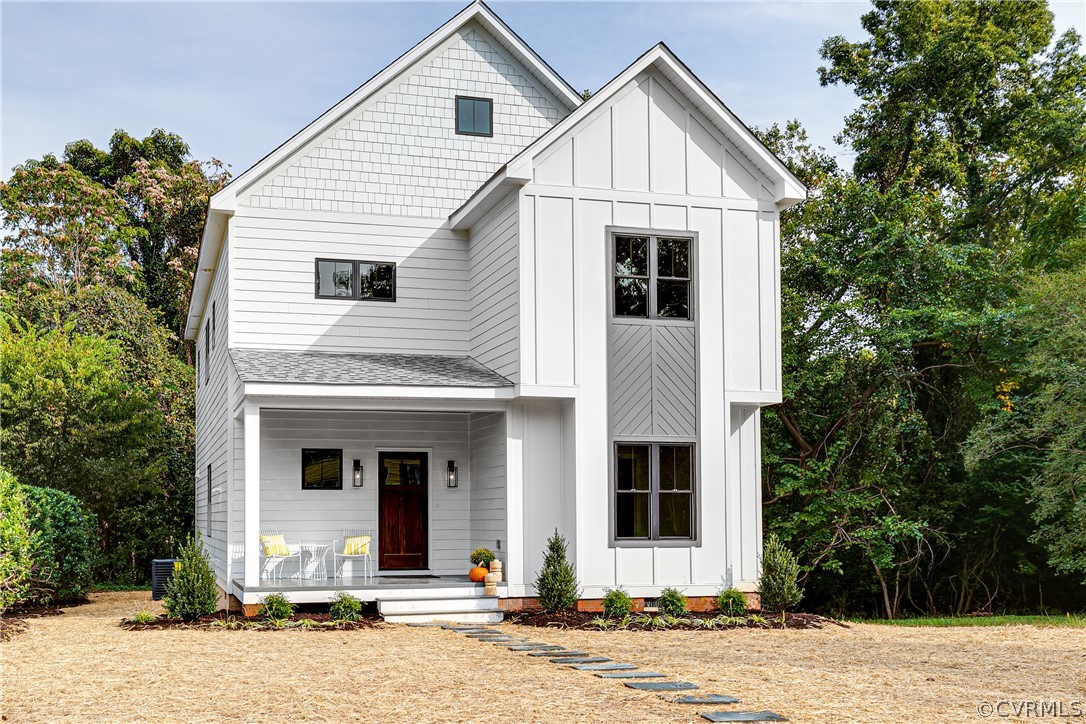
point(480, 559)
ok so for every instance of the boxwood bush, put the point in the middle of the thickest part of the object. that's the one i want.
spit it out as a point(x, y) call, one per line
point(66, 544)
point(732, 602)
point(617, 603)
point(672, 602)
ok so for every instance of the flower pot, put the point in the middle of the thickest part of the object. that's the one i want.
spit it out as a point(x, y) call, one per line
point(478, 574)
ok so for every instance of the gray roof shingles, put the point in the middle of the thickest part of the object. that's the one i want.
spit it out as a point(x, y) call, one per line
point(333, 368)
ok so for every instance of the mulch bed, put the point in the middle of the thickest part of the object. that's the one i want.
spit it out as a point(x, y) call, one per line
point(13, 621)
point(583, 619)
point(226, 622)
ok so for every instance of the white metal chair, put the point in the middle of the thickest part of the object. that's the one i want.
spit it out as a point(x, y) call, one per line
point(361, 550)
point(272, 562)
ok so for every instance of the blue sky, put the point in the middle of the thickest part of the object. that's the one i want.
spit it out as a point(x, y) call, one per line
point(237, 79)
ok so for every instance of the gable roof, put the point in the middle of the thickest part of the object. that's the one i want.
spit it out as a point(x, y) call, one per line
point(222, 204)
point(336, 368)
point(787, 189)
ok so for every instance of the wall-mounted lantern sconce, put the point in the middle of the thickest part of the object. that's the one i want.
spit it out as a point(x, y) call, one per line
point(356, 481)
point(454, 475)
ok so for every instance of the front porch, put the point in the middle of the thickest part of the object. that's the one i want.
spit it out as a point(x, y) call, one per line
point(375, 588)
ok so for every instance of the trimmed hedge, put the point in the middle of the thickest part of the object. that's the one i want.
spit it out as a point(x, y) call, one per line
point(66, 544)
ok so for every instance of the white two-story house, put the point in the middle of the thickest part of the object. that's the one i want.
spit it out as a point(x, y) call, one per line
point(466, 307)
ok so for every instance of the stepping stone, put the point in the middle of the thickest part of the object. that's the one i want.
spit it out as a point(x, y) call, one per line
point(604, 667)
point(558, 652)
point(630, 675)
point(706, 699)
point(529, 646)
point(488, 635)
point(583, 660)
point(427, 625)
point(481, 632)
point(461, 627)
point(741, 716)
point(660, 685)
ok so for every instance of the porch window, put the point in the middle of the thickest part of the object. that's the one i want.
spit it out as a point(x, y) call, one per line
point(351, 279)
point(652, 276)
point(474, 116)
point(654, 491)
point(322, 469)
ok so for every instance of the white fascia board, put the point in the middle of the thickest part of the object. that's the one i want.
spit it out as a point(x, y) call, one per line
point(476, 11)
point(210, 247)
point(377, 392)
point(753, 398)
point(485, 198)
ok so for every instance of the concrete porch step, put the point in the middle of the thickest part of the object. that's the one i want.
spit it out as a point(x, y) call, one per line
point(458, 609)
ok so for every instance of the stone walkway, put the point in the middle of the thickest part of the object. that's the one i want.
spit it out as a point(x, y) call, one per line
point(628, 674)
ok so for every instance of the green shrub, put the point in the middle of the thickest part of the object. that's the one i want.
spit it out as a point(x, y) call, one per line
point(482, 557)
point(66, 546)
point(556, 584)
point(345, 607)
point(617, 603)
point(672, 603)
point(778, 584)
point(732, 602)
point(17, 541)
point(191, 591)
point(276, 607)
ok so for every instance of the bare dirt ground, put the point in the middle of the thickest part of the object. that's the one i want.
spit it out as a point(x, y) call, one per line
point(81, 666)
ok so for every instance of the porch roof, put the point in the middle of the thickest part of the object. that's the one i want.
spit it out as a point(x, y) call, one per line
point(335, 368)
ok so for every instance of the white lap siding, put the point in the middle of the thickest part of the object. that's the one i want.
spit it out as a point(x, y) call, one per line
point(488, 507)
point(320, 515)
point(213, 429)
point(494, 289)
point(273, 284)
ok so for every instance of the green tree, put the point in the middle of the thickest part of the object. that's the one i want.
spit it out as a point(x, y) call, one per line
point(556, 582)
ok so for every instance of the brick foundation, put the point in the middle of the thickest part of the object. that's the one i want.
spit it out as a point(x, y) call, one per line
point(697, 604)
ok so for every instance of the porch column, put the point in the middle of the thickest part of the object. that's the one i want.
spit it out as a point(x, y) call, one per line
point(514, 497)
point(252, 496)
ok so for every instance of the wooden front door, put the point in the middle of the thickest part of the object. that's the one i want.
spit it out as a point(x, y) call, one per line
point(401, 500)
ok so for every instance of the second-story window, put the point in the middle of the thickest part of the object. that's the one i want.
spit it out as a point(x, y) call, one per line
point(474, 116)
point(652, 276)
point(350, 279)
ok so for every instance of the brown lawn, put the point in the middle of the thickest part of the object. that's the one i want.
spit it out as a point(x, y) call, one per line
point(82, 666)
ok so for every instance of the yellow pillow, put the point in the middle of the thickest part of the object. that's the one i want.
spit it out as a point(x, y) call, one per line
point(274, 545)
point(356, 545)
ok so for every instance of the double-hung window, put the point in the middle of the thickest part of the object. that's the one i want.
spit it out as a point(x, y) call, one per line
point(352, 279)
point(654, 491)
point(652, 277)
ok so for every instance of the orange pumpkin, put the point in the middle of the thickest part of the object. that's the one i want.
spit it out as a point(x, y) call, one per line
point(477, 574)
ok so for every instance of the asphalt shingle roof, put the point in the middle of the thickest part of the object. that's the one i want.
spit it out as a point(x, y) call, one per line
point(333, 368)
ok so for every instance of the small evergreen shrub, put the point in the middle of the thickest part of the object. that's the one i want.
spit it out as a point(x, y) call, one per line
point(17, 542)
point(66, 544)
point(731, 602)
point(556, 584)
point(345, 607)
point(276, 607)
point(617, 603)
point(672, 603)
point(191, 591)
point(778, 584)
point(482, 557)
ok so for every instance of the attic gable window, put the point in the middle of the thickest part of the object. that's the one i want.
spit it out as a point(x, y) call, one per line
point(474, 116)
point(351, 279)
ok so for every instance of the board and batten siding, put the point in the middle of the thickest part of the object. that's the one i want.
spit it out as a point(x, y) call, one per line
point(397, 153)
point(213, 428)
point(486, 433)
point(320, 515)
point(648, 160)
point(495, 306)
point(273, 283)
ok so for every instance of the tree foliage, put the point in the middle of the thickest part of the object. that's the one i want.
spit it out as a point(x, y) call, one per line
point(556, 582)
point(191, 591)
point(902, 291)
point(17, 542)
point(65, 546)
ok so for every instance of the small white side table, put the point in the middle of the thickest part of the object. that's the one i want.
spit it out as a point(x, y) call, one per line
point(313, 563)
